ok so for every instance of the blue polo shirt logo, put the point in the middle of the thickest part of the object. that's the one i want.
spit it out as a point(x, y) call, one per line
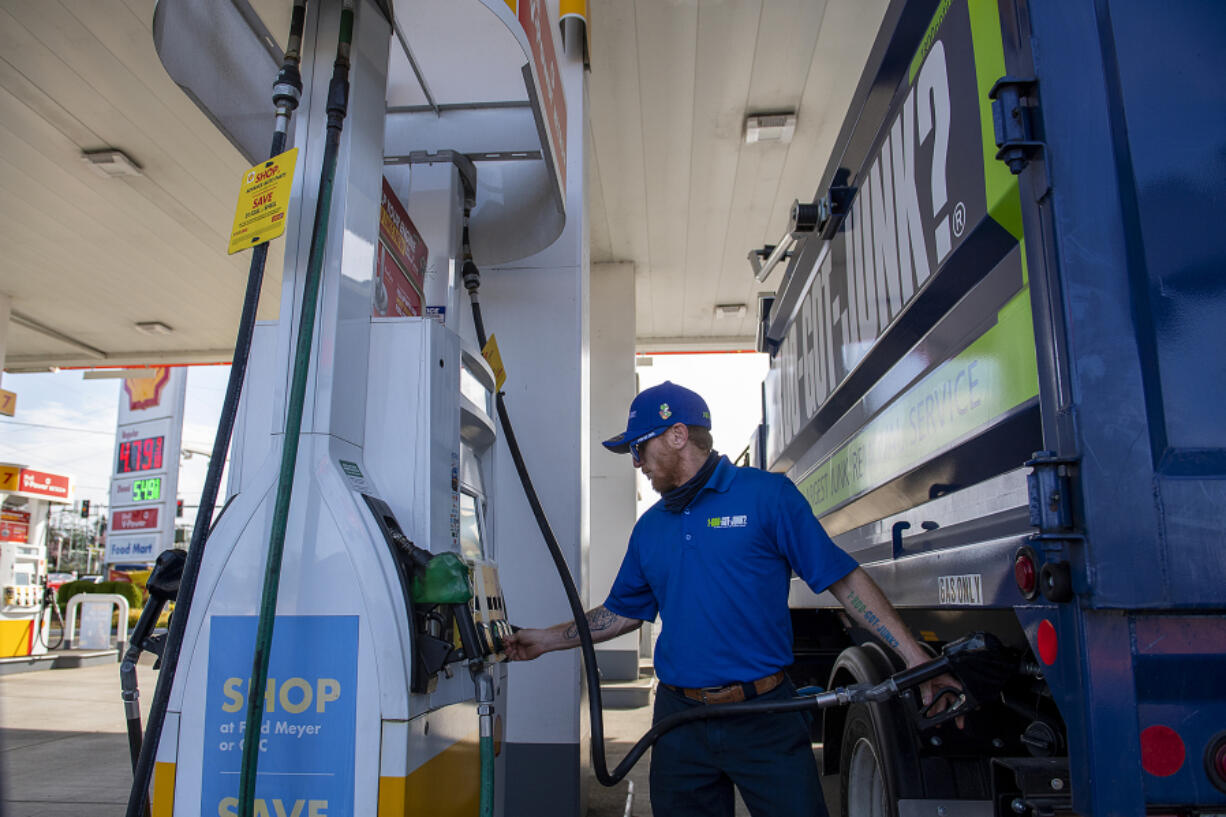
point(728, 521)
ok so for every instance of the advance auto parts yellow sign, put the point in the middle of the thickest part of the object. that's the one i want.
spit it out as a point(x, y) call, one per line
point(263, 202)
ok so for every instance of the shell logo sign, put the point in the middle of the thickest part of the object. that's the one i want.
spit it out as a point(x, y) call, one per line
point(146, 392)
point(41, 483)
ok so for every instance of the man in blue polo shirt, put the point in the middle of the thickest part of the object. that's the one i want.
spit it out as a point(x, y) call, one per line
point(714, 558)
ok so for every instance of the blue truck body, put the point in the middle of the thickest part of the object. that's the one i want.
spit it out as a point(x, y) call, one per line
point(1004, 340)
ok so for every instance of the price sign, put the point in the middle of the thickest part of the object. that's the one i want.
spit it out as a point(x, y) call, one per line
point(148, 489)
point(140, 455)
point(148, 438)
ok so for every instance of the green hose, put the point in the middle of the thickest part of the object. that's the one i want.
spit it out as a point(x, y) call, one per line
point(338, 93)
point(487, 776)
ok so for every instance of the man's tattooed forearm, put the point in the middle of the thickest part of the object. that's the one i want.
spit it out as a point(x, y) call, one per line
point(597, 620)
point(873, 620)
point(887, 636)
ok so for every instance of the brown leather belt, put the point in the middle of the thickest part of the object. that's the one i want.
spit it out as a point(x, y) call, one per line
point(731, 693)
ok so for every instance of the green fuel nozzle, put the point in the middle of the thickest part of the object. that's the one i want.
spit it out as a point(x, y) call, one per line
point(442, 580)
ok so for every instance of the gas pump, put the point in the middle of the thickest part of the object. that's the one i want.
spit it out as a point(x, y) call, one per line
point(384, 688)
point(23, 565)
point(25, 615)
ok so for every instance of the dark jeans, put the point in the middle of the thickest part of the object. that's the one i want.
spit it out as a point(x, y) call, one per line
point(767, 757)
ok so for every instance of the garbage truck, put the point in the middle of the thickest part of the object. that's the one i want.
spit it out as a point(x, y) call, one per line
point(998, 372)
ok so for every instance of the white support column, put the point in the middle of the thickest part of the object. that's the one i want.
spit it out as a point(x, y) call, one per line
point(538, 308)
point(612, 476)
point(538, 316)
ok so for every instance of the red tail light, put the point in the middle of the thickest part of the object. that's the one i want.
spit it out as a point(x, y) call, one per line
point(1048, 642)
point(1162, 750)
point(1025, 573)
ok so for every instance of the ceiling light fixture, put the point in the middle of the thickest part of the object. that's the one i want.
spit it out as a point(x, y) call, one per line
point(778, 126)
point(153, 328)
point(730, 310)
point(110, 163)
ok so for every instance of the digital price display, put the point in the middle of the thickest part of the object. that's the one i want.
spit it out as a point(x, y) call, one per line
point(148, 489)
point(140, 455)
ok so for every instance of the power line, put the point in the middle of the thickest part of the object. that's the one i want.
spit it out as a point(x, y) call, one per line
point(56, 428)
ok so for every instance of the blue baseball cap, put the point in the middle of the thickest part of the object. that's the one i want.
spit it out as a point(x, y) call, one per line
point(658, 409)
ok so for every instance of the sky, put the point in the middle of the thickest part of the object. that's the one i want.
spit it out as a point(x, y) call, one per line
point(66, 424)
point(731, 386)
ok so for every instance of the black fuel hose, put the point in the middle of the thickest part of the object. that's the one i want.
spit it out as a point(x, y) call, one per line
point(839, 697)
point(287, 89)
point(56, 615)
point(127, 674)
point(596, 707)
point(472, 281)
point(337, 107)
point(796, 704)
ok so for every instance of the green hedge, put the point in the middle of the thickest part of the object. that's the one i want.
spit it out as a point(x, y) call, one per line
point(126, 589)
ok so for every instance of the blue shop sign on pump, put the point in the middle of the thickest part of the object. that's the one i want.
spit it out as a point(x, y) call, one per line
point(310, 715)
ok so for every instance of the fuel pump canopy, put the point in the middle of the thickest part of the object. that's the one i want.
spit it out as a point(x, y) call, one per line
point(469, 78)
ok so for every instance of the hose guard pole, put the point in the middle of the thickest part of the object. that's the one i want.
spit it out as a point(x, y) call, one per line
point(338, 103)
point(472, 282)
point(287, 90)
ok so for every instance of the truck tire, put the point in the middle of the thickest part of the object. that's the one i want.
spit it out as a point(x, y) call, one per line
point(863, 768)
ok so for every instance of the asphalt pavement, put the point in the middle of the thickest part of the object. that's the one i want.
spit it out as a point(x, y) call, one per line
point(64, 746)
point(63, 741)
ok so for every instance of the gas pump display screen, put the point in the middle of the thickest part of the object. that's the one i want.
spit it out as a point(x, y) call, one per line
point(148, 489)
point(140, 455)
point(471, 546)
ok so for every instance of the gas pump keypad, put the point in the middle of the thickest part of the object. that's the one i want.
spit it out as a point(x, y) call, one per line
point(489, 610)
point(22, 595)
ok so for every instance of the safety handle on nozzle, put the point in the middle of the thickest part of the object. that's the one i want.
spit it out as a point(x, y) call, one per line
point(470, 641)
point(978, 661)
point(956, 703)
point(904, 685)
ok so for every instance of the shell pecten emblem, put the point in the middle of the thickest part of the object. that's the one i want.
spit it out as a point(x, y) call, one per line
point(146, 392)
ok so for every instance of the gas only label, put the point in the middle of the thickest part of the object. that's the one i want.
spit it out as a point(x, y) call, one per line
point(960, 589)
point(263, 202)
point(308, 732)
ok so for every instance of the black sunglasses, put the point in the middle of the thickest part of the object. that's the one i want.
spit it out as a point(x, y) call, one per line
point(636, 447)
